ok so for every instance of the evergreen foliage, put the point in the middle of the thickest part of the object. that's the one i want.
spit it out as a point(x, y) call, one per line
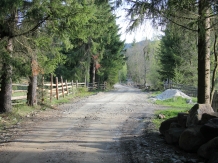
point(196, 16)
point(178, 56)
point(101, 49)
point(50, 34)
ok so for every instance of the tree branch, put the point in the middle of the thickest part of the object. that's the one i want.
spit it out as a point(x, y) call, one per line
point(33, 29)
point(182, 26)
point(212, 26)
point(214, 15)
point(183, 17)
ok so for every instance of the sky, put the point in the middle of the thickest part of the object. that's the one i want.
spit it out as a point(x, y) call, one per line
point(142, 32)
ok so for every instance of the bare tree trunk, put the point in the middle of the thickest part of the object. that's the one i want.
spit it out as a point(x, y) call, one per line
point(32, 94)
point(214, 70)
point(6, 89)
point(204, 53)
point(6, 82)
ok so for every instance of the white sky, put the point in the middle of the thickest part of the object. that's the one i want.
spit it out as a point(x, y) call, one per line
point(143, 32)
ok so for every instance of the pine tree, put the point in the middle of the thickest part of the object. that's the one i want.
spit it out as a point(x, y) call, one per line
point(177, 51)
point(22, 18)
point(87, 55)
point(189, 14)
point(113, 59)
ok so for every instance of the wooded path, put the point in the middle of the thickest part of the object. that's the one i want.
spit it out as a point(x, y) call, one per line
point(92, 130)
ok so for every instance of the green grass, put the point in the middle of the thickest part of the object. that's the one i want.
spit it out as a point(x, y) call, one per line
point(18, 113)
point(15, 94)
point(80, 92)
point(173, 107)
point(168, 113)
point(155, 93)
point(176, 102)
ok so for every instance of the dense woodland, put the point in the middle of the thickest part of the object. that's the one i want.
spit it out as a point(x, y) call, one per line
point(79, 39)
point(70, 38)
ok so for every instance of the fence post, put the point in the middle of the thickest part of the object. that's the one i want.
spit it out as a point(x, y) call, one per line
point(85, 82)
point(94, 85)
point(51, 87)
point(67, 87)
point(76, 84)
point(105, 85)
point(62, 87)
point(42, 100)
point(72, 87)
point(57, 91)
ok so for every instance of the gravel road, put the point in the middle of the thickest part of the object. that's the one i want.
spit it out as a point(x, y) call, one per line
point(111, 127)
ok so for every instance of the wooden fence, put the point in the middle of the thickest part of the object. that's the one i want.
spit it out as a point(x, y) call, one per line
point(97, 86)
point(19, 93)
point(62, 88)
point(53, 90)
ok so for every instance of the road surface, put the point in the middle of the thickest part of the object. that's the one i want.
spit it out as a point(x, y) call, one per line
point(103, 128)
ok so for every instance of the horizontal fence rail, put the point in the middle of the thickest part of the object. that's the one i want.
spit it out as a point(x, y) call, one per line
point(53, 90)
point(95, 86)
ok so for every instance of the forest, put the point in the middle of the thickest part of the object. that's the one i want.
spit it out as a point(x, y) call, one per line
point(70, 38)
point(168, 58)
point(187, 53)
point(80, 39)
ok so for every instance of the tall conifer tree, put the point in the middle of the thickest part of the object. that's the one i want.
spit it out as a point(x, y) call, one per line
point(178, 12)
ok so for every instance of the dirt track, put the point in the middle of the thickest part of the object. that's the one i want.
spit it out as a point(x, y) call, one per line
point(104, 128)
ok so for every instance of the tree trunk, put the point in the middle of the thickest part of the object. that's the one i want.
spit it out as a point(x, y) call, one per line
point(6, 82)
point(214, 70)
point(31, 94)
point(6, 89)
point(204, 53)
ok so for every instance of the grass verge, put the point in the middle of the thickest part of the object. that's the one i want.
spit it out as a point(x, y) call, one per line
point(80, 92)
point(173, 107)
point(17, 115)
point(20, 112)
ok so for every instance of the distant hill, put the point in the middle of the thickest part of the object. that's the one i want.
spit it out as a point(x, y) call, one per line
point(129, 45)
